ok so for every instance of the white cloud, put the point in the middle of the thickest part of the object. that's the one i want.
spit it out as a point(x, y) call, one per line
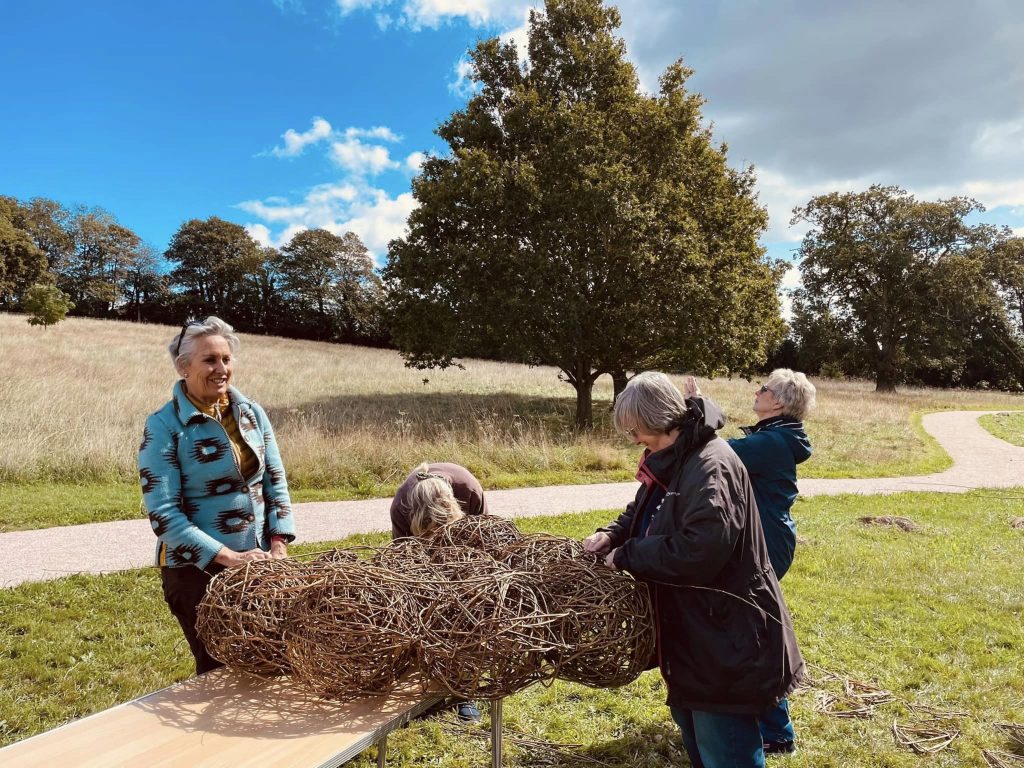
point(463, 85)
point(780, 194)
point(1018, 231)
point(380, 132)
point(520, 36)
point(478, 13)
point(346, 7)
point(378, 218)
point(295, 142)
point(1003, 140)
point(260, 233)
point(371, 213)
point(361, 159)
point(417, 14)
point(414, 161)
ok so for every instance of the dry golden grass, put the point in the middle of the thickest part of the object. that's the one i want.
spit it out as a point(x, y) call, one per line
point(353, 420)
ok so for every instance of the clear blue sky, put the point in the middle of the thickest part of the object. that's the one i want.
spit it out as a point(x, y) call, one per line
point(285, 114)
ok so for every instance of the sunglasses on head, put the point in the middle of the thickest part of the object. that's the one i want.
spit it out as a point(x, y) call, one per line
point(184, 327)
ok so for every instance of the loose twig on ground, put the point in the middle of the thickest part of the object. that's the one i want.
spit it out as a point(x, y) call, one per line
point(925, 738)
point(1002, 759)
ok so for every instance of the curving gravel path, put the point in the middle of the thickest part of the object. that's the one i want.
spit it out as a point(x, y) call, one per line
point(979, 461)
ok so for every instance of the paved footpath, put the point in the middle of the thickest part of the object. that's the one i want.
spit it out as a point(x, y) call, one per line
point(979, 461)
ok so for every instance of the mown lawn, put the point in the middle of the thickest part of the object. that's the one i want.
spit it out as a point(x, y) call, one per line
point(1005, 426)
point(934, 616)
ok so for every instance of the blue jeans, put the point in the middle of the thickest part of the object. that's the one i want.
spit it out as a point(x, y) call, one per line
point(718, 740)
point(775, 724)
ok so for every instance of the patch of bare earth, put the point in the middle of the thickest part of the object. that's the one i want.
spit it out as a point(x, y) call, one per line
point(892, 521)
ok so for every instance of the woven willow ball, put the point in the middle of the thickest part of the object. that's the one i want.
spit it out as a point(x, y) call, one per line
point(534, 550)
point(606, 627)
point(487, 637)
point(242, 617)
point(487, 532)
point(350, 635)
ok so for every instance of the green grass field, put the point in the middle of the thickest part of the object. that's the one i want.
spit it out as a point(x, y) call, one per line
point(1005, 426)
point(352, 421)
point(933, 616)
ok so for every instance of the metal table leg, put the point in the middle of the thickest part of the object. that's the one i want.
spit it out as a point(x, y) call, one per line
point(382, 751)
point(496, 737)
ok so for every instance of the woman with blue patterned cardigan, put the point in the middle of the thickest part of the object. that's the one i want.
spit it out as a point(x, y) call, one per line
point(212, 478)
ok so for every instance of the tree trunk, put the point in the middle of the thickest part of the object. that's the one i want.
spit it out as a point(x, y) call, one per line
point(619, 382)
point(885, 376)
point(582, 380)
point(584, 404)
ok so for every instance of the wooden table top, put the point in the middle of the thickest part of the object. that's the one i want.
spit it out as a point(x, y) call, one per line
point(223, 718)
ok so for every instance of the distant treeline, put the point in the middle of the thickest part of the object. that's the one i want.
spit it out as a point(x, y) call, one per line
point(893, 289)
point(319, 286)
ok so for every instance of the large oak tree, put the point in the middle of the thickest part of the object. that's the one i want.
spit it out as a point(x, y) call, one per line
point(581, 223)
point(903, 285)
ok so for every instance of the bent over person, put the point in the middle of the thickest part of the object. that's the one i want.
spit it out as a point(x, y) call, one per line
point(726, 646)
point(212, 478)
point(432, 495)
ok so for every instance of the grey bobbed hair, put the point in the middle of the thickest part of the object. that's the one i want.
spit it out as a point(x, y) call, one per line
point(651, 401)
point(211, 326)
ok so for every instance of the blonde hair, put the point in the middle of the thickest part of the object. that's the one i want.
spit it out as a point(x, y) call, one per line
point(651, 401)
point(793, 391)
point(431, 502)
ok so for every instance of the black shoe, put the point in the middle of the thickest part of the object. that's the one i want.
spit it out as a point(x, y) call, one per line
point(779, 747)
point(468, 712)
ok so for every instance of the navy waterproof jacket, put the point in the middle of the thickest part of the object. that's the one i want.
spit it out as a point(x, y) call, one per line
point(770, 451)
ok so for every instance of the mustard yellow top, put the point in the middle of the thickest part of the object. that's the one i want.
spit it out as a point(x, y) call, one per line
point(248, 462)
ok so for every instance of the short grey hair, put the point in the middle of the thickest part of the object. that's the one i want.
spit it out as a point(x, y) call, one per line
point(651, 401)
point(794, 392)
point(211, 326)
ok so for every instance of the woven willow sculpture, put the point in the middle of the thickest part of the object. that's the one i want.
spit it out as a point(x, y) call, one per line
point(487, 532)
point(350, 635)
point(534, 550)
point(487, 637)
point(481, 609)
point(242, 617)
point(337, 556)
point(605, 630)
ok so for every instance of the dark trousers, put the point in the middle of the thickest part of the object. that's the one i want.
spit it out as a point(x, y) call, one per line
point(184, 587)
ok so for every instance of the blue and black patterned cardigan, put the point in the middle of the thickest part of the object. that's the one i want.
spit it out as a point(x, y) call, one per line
point(193, 488)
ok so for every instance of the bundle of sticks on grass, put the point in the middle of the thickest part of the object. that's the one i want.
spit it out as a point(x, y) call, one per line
point(478, 608)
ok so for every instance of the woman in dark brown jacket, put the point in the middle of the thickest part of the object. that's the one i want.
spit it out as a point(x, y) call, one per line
point(725, 639)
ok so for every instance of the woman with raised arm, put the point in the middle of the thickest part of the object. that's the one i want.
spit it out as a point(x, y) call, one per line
point(212, 478)
point(770, 450)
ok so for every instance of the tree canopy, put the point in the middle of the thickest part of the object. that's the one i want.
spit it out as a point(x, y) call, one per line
point(329, 285)
point(581, 223)
point(894, 287)
point(46, 304)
